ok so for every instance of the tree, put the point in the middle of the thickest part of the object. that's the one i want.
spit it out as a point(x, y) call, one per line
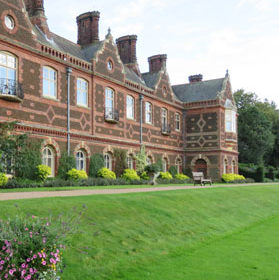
point(96, 163)
point(120, 157)
point(141, 160)
point(255, 136)
point(66, 163)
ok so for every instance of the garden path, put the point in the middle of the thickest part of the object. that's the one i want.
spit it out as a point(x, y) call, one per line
point(28, 195)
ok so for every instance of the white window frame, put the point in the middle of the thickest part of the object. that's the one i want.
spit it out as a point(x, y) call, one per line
point(230, 121)
point(108, 161)
point(130, 107)
point(178, 164)
point(148, 112)
point(177, 121)
point(164, 165)
point(130, 162)
point(164, 117)
point(9, 65)
point(50, 81)
point(82, 92)
point(48, 159)
point(80, 160)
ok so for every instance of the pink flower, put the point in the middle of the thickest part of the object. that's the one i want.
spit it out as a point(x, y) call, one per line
point(44, 263)
point(35, 256)
point(52, 261)
point(28, 260)
point(23, 265)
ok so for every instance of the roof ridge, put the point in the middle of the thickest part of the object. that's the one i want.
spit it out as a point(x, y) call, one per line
point(186, 84)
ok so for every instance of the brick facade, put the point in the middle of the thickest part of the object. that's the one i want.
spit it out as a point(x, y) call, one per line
point(201, 139)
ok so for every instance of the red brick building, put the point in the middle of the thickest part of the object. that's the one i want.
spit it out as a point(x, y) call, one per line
point(91, 97)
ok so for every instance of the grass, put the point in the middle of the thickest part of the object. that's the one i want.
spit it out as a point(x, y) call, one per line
point(202, 234)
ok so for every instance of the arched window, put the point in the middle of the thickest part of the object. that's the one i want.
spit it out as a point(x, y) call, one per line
point(130, 107)
point(49, 159)
point(148, 112)
point(130, 162)
point(109, 101)
point(233, 167)
point(149, 160)
point(8, 73)
point(108, 161)
point(82, 92)
point(225, 171)
point(178, 165)
point(80, 160)
point(165, 165)
point(49, 82)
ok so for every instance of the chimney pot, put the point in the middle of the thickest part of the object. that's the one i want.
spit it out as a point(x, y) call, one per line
point(195, 78)
point(127, 48)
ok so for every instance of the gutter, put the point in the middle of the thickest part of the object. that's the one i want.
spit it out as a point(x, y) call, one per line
point(68, 72)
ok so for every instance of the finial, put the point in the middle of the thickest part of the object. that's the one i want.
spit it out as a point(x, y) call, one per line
point(109, 33)
point(227, 72)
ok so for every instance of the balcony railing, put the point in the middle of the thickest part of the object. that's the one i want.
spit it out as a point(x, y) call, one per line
point(11, 90)
point(111, 115)
point(166, 130)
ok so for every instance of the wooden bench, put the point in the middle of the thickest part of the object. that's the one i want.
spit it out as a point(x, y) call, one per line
point(199, 179)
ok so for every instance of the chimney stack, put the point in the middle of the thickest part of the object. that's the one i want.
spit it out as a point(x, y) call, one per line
point(127, 49)
point(88, 28)
point(195, 78)
point(157, 62)
point(36, 12)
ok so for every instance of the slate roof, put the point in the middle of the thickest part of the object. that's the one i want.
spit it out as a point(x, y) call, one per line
point(151, 79)
point(199, 91)
point(132, 76)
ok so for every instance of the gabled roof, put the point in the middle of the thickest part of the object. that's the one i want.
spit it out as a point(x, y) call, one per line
point(132, 76)
point(151, 79)
point(199, 91)
point(64, 45)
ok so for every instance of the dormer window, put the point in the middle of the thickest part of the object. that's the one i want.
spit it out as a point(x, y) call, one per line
point(230, 117)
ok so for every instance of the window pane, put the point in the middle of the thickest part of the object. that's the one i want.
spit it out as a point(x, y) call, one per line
point(52, 89)
point(45, 73)
point(3, 73)
point(11, 62)
point(3, 59)
point(11, 74)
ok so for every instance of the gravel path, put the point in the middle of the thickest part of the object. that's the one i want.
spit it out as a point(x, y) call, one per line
point(27, 195)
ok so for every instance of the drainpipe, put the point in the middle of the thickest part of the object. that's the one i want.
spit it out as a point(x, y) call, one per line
point(141, 121)
point(184, 113)
point(68, 72)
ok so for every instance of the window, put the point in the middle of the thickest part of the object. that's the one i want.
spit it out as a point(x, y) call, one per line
point(9, 22)
point(130, 107)
point(108, 161)
point(177, 121)
point(233, 167)
point(82, 92)
point(178, 165)
point(230, 119)
point(7, 163)
point(8, 73)
point(165, 165)
point(48, 159)
point(80, 160)
point(148, 160)
point(109, 65)
point(49, 82)
point(225, 167)
point(164, 118)
point(130, 162)
point(148, 112)
point(109, 102)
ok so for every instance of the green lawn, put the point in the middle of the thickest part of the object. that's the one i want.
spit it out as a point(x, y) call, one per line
point(202, 234)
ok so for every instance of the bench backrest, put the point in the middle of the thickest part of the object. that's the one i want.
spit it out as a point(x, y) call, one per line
point(198, 175)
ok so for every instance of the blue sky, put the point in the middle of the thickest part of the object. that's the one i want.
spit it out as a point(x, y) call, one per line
point(199, 36)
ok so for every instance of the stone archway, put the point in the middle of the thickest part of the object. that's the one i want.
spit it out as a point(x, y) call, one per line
point(201, 166)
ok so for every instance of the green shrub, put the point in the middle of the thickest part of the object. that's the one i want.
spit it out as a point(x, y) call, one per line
point(152, 168)
point(66, 163)
point(75, 174)
point(106, 173)
point(173, 171)
point(228, 178)
point(144, 176)
point(43, 172)
point(271, 173)
point(181, 176)
point(260, 174)
point(120, 157)
point(130, 175)
point(165, 175)
point(96, 163)
point(3, 179)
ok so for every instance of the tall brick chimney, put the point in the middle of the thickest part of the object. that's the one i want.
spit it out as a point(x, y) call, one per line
point(157, 62)
point(195, 78)
point(88, 28)
point(36, 12)
point(127, 49)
